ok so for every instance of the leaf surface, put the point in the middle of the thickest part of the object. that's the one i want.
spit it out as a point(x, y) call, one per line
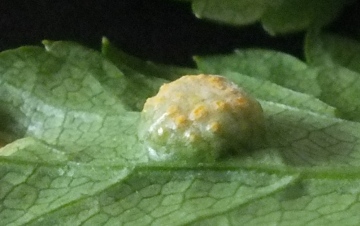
point(331, 50)
point(277, 17)
point(73, 156)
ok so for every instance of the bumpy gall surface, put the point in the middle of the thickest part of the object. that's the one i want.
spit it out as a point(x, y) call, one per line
point(200, 118)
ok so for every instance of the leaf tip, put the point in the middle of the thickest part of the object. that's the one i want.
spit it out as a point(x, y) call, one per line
point(105, 41)
point(196, 58)
point(47, 44)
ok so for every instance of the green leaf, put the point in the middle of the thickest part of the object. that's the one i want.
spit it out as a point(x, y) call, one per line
point(169, 196)
point(339, 77)
point(295, 15)
point(230, 11)
point(277, 17)
point(31, 149)
point(300, 138)
point(277, 67)
point(131, 63)
point(135, 86)
point(334, 85)
point(314, 201)
point(32, 191)
point(331, 50)
point(62, 101)
point(75, 158)
point(265, 90)
point(340, 88)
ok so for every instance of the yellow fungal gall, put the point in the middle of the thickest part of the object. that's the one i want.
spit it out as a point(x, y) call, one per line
point(200, 118)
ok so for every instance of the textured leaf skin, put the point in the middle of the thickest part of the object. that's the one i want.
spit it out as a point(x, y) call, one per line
point(65, 105)
point(69, 118)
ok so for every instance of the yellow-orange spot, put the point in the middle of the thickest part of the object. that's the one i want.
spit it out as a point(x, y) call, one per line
point(199, 112)
point(215, 79)
point(218, 82)
point(233, 91)
point(241, 101)
point(180, 120)
point(214, 127)
point(172, 110)
point(219, 85)
point(221, 105)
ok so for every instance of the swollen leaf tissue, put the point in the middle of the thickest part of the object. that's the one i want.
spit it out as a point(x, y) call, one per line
point(200, 118)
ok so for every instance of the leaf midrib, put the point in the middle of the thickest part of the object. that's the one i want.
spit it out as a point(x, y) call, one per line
point(332, 173)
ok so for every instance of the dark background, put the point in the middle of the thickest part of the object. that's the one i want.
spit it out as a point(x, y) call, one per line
point(160, 30)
